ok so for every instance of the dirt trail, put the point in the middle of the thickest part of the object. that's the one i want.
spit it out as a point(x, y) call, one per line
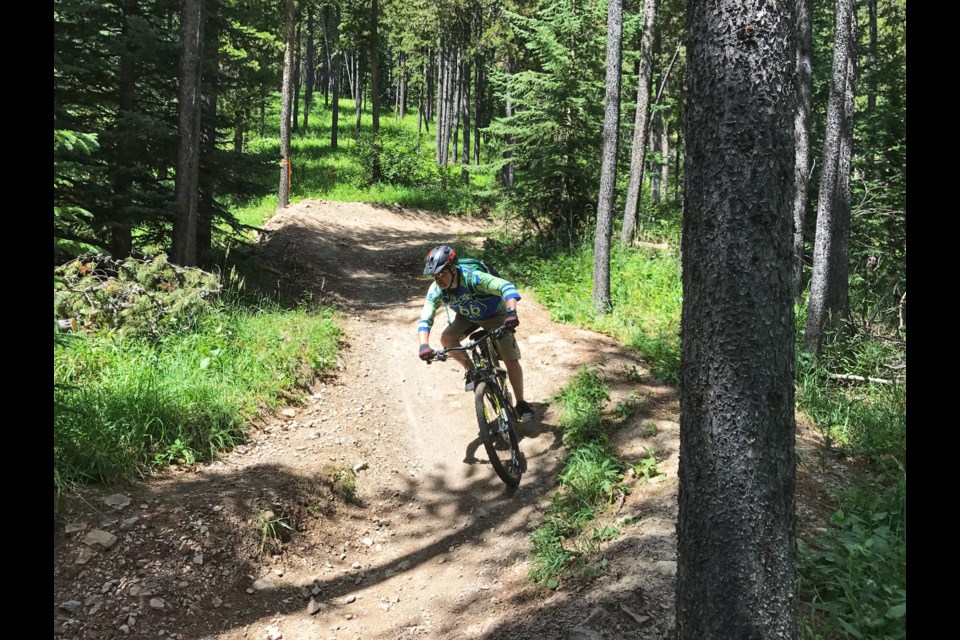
point(435, 546)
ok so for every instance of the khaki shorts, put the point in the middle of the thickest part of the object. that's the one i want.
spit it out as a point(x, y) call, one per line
point(507, 343)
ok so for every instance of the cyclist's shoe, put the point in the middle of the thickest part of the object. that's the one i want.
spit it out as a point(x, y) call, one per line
point(469, 380)
point(524, 411)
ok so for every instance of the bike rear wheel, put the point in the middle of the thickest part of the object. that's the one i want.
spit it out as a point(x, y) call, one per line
point(497, 433)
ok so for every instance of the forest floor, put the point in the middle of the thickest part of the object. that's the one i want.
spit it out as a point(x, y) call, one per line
point(430, 544)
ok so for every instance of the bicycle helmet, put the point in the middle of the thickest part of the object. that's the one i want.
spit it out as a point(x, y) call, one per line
point(441, 258)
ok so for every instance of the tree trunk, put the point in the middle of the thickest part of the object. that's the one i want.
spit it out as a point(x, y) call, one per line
point(358, 100)
point(374, 68)
point(296, 80)
point(441, 75)
point(640, 124)
point(872, 56)
point(310, 71)
point(285, 170)
point(655, 146)
point(336, 65)
point(263, 115)
point(184, 241)
point(828, 303)
point(121, 234)
point(737, 526)
point(664, 157)
point(465, 108)
point(328, 57)
point(206, 203)
point(239, 128)
point(507, 176)
point(801, 136)
point(608, 166)
point(455, 104)
point(478, 110)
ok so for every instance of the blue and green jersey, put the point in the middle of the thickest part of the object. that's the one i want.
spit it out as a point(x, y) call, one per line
point(479, 296)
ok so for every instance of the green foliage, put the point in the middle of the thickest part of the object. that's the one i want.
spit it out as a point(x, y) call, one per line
point(125, 403)
point(865, 418)
point(591, 475)
point(71, 221)
point(580, 405)
point(853, 579)
point(133, 297)
point(569, 540)
point(554, 136)
point(397, 156)
point(645, 289)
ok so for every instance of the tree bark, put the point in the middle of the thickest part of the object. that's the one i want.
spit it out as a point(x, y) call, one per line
point(456, 102)
point(295, 96)
point(872, 56)
point(184, 241)
point(328, 56)
point(640, 123)
point(374, 67)
point(655, 146)
point(336, 65)
point(608, 166)
point(736, 529)
point(828, 303)
point(358, 78)
point(283, 198)
point(664, 157)
point(802, 137)
point(210, 89)
point(465, 108)
point(507, 175)
point(121, 234)
point(310, 71)
point(478, 109)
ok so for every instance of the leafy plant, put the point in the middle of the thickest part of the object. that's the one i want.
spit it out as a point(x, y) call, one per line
point(273, 530)
point(853, 578)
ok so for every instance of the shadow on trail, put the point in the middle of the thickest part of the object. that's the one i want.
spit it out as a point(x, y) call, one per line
point(175, 517)
point(390, 259)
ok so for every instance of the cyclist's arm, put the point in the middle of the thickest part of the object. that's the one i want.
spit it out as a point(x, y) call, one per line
point(430, 306)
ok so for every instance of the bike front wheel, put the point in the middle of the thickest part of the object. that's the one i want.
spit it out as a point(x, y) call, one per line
point(497, 433)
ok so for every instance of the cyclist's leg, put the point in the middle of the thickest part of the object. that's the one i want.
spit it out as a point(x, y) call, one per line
point(451, 337)
point(510, 352)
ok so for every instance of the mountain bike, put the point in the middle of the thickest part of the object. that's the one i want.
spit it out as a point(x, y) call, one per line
point(495, 413)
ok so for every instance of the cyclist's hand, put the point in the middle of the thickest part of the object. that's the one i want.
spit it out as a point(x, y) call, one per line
point(426, 353)
point(511, 321)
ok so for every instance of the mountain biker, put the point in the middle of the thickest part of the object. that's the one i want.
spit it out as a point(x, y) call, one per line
point(493, 303)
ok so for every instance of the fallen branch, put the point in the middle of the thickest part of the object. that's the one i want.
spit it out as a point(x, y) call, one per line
point(845, 376)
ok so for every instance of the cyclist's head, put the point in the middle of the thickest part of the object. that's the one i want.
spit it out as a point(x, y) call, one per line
point(439, 260)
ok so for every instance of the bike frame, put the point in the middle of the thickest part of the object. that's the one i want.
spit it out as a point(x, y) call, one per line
point(485, 364)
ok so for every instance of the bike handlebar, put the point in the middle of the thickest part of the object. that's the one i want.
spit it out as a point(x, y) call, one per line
point(441, 354)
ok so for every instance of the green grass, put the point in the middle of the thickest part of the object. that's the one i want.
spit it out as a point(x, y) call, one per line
point(568, 542)
point(411, 177)
point(124, 406)
point(645, 291)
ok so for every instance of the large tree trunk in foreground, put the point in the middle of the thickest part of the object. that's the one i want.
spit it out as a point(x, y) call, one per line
point(736, 530)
